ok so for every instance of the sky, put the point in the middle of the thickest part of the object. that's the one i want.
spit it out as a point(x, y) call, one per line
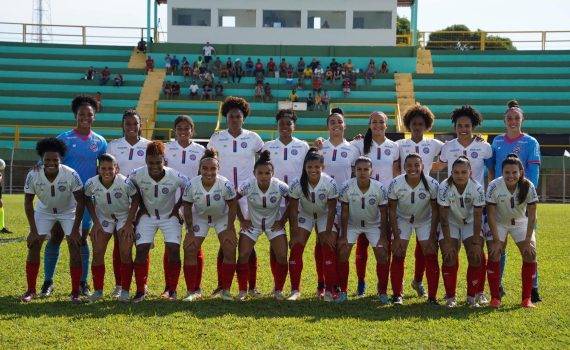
point(489, 15)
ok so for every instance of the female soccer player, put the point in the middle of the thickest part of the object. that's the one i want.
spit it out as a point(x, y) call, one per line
point(313, 204)
point(528, 151)
point(384, 154)
point(237, 149)
point(157, 185)
point(108, 199)
point(209, 201)
point(264, 194)
point(129, 152)
point(511, 203)
point(364, 211)
point(183, 155)
point(419, 120)
point(461, 200)
point(60, 200)
point(413, 207)
point(83, 148)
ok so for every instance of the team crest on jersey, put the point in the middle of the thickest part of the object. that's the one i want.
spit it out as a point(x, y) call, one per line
point(105, 223)
point(301, 220)
point(422, 195)
point(343, 154)
point(294, 152)
point(217, 197)
point(273, 199)
point(244, 144)
point(196, 228)
point(165, 190)
point(474, 155)
point(140, 153)
point(137, 236)
point(426, 150)
point(192, 157)
point(118, 195)
point(62, 188)
point(468, 200)
point(372, 201)
point(322, 196)
point(93, 147)
point(387, 152)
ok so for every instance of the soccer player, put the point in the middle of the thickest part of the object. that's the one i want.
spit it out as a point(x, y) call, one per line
point(108, 199)
point(384, 154)
point(209, 201)
point(511, 203)
point(264, 194)
point(461, 200)
point(418, 120)
point(527, 149)
point(83, 148)
point(129, 152)
point(184, 155)
point(60, 200)
point(413, 207)
point(237, 149)
point(313, 205)
point(157, 185)
point(364, 212)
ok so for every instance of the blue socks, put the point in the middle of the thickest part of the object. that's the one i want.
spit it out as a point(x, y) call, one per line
point(51, 255)
point(84, 262)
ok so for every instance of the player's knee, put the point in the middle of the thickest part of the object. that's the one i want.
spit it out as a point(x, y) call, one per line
point(229, 251)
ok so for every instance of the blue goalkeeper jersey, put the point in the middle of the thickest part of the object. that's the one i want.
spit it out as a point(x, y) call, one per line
point(525, 147)
point(82, 152)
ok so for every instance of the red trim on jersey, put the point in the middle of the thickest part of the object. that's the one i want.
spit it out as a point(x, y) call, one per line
point(82, 137)
point(509, 140)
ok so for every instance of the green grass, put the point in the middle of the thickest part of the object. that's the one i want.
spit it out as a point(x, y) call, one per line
point(264, 323)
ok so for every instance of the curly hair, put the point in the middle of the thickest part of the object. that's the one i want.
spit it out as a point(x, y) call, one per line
point(83, 100)
point(264, 159)
point(286, 113)
point(469, 112)
point(51, 144)
point(235, 102)
point(418, 111)
point(155, 148)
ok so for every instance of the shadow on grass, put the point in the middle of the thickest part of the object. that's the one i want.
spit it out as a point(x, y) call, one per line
point(311, 309)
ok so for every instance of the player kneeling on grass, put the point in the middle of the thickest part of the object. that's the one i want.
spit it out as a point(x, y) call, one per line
point(209, 201)
point(461, 200)
point(413, 207)
point(108, 199)
point(60, 193)
point(313, 205)
point(157, 185)
point(364, 211)
point(264, 195)
point(511, 207)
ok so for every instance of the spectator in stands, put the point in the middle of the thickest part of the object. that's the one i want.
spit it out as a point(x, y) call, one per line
point(337, 74)
point(259, 77)
point(249, 65)
point(271, 67)
point(149, 64)
point(318, 101)
point(319, 72)
point(283, 66)
point(317, 84)
point(99, 100)
point(371, 64)
point(300, 67)
point(90, 74)
point(258, 92)
point(175, 89)
point(141, 46)
point(184, 62)
point(207, 92)
point(105, 76)
point(118, 79)
point(186, 71)
point(217, 65)
point(267, 96)
point(300, 84)
point(167, 89)
point(369, 74)
point(194, 89)
point(167, 63)
point(325, 100)
point(230, 68)
point(334, 65)
point(208, 78)
point(293, 97)
point(238, 70)
point(310, 102)
point(219, 90)
point(384, 68)
point(289, 72)
point(346, 84)
point(348, 66)
point(329, 75)
point(196, 73)
point(258, 67)
point(175, 63)
point(314, 64)
point(308, 73)
point(208, 50)
point(224, 73)
point(200, 63)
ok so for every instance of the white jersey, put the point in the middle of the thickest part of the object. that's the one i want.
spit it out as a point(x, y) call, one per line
point(55, 197)
point(428, 149)
point(461, 205)
point(414, 204)
point(339, 160)
point(383, 157)
point(209, 203)
point(287, 159)
point(159, 197)
point(316, 205)
point(185, 160)
point(113, 202)
point(264, 206)
point(477, 152)
point(509, 210)
point(363, 207)
point(129, 157)
point(236, 154)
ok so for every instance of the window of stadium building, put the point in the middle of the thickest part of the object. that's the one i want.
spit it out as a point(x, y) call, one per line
point(281, 19)
point(191, 17)
point(326, 19)
point(372, 20)
point(233, 18)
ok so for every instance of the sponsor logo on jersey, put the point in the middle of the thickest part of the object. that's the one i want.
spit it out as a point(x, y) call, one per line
point(93, 147)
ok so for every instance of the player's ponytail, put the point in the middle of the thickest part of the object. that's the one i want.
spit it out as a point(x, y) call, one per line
point(264, 159)
point(459, 160)
point(312, 154)
point(523, 184)
point(513, 105)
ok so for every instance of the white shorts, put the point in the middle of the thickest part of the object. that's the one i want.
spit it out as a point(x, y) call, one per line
point(458, 232)
point(406, 228)
point(147, 227)
point(517, 232)
point(254, 233)
point(309, 222)
point(111, 225)
point(372, 234)
point(200, 225)
point(45, 222)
